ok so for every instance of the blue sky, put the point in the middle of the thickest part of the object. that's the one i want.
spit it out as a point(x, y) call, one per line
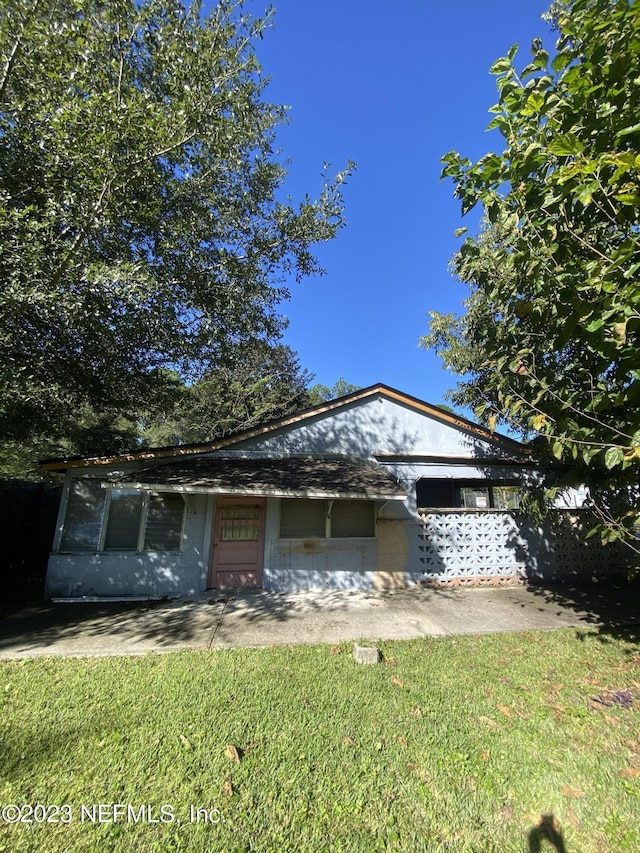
point(393, 86)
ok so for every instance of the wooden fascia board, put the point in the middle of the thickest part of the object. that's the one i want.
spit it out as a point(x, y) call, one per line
point(444, 459)
point(193, 449)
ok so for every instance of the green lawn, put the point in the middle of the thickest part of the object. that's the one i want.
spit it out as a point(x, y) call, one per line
point(457, 744)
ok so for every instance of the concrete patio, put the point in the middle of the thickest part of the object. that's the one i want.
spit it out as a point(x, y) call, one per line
point(258, 618)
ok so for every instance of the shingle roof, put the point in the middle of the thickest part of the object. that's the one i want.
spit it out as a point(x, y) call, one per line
point(330, 477)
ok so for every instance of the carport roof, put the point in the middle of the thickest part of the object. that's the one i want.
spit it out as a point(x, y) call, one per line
point(314, 477)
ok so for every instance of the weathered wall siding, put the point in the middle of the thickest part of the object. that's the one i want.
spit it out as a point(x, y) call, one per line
point(145, 574)
point(149, 575)
point(367, 428)
point(197, 542)
point(300, 565)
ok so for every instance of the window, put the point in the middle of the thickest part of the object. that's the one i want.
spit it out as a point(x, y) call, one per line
point(507, 496)
point(302, 519)
point(83, 516)
point(352, 518)
point(305, 518)
point(474, 497)
point(165, 516)
point(98, 519)
point(448, 493)
point(123, 521)
point(240, 523)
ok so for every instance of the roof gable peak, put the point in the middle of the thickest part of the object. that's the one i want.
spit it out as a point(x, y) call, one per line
point(361, 395)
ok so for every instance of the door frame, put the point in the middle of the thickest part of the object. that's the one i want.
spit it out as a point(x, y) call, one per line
point(231, 500)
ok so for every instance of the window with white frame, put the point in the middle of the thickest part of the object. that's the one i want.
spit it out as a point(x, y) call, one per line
point(309, 518)
point(98, 519)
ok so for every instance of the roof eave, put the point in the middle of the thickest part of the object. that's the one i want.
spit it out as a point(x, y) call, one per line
point(260, 492)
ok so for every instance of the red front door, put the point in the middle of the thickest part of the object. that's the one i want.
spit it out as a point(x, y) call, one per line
point(238, 543)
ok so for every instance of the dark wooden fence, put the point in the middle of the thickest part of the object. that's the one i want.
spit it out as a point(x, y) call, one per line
point(28, 513)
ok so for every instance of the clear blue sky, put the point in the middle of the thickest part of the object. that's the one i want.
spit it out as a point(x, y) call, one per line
point(392, 85)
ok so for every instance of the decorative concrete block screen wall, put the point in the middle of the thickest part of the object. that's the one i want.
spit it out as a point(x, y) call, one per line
point(575, 553)
point(460, 548)
point(471, 547)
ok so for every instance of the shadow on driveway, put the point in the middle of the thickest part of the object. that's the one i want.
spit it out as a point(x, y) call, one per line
point(604, 603)
point(259, 618)
point(104, 626)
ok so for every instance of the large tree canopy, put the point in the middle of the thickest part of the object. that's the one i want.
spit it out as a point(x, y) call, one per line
point(141, 231)
point(549, 343)
point(255, 384)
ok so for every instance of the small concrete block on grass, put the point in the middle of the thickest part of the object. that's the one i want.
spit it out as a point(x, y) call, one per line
point(365, 654)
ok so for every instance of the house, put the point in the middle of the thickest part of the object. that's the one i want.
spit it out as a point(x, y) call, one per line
point(376, 489)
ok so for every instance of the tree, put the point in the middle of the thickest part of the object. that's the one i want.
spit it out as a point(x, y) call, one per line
point(319, 393)
point(549, 343)
point(141, 235)
point(256, 384)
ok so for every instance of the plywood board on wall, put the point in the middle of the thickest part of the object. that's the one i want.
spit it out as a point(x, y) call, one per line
point(392, 554)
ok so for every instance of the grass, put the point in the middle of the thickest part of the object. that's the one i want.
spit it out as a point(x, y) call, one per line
point(449, 744)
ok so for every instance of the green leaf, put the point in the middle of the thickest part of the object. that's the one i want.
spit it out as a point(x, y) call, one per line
point(584, 192)
point(500, 66)
point(631, 199)
point(595, 325)
point(566, 145)
point(628, 131)
point(560, 61)
point(534, 104)
point(614, 456)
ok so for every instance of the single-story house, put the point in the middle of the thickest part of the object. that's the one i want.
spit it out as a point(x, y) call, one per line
point(376, 489)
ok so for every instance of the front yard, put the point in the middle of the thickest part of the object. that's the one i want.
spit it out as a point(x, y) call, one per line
point(459, 744)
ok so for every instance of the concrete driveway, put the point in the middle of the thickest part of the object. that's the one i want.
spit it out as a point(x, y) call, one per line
point(258, 618)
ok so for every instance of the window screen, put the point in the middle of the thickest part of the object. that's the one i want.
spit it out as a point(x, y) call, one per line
point(468, 494)
point(507, 497)
point(475, 497)
point(123, 524)
point(302, 518)
point(240, 523)
point(83, 516)
point(352, 518)
point(163, 530)
point(435, 493)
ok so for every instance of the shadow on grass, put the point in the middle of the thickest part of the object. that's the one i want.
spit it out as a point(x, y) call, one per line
point(610, 604)
point(547, 829)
